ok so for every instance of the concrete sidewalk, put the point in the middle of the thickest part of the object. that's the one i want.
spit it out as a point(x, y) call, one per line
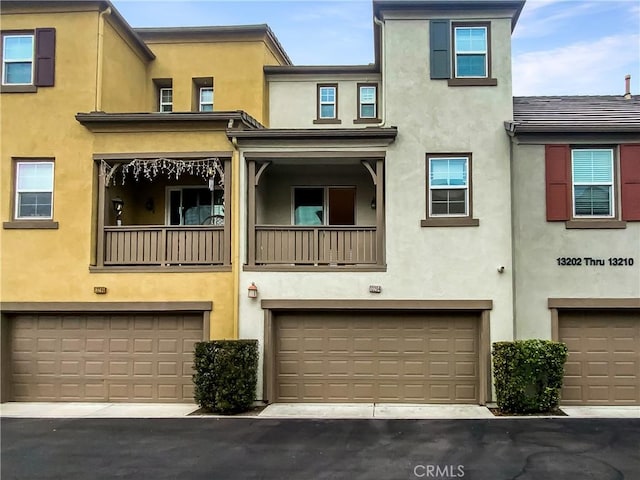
point(290, 410)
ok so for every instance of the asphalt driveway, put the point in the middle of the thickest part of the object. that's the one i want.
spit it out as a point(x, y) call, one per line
point(234, 448)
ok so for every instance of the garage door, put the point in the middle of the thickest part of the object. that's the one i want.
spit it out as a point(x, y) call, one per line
point(603, 367)
point(399, 357)
point(137, 358)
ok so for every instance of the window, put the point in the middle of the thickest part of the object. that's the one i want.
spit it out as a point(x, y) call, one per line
point(592, 181)
point(195, 206)
point(327, 104)
point(324, 205)
point(367, 102)
point(461, 53)
point(206, 99)
point(17, 60)
point(34, 191)
point(471, 51)
point(166, 99)
point(28, 60)
point(449, 190)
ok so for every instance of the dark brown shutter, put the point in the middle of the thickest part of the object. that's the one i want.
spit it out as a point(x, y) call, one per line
point(440, 48)
point(45, 57)
point(630, 181)
point(558, 178)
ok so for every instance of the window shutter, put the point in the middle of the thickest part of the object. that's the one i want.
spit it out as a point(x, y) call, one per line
point(558, 178)
point(630, 181)
point(45, 57)
point(440, 49)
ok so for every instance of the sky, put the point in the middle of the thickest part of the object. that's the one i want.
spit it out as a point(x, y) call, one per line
point(559, 47)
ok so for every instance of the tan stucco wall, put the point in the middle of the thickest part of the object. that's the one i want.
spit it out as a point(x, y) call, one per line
point(293, 100)
point(539, 243)
point(124, 83)
point(236, 69)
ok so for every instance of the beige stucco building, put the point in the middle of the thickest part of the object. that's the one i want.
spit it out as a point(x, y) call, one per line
point(375, 227)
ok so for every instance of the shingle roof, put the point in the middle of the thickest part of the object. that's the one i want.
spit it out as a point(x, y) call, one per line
point(575, 114)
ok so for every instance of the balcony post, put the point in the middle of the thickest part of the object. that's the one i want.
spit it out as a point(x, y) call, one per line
point(226, 255)
point(101, 213)
point(380, 233)
point(251, 213)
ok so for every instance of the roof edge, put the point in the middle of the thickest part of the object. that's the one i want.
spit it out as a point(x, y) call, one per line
point(321, 69)
point(93, 118)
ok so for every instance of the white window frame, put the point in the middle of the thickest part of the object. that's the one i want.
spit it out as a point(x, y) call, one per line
point(19, 191)
point(201, 103)
point(30, 60)
point(449, 187)
point(612, 203)
point(374, 103)
point(334, 103)
point(484, 52)
point(165, 104)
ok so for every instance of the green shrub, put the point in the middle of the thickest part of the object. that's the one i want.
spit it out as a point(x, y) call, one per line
point(226, 373)
point(528, 375)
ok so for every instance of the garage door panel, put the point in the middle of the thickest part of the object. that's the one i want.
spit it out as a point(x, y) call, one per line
point(395, 358)
point(103, 357)
point(603, 366)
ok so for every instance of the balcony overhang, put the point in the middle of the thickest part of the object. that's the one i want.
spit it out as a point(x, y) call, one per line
point(237, 119)
point(379, 136)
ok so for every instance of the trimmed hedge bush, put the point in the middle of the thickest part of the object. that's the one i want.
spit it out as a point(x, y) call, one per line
point(528, 375)
point(226, 373)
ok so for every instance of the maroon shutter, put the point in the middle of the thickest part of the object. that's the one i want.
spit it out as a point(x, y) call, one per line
point(45, 57)
point(630, 181)
point(558, 178)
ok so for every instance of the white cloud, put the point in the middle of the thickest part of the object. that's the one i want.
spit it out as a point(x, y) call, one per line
point(585, 68)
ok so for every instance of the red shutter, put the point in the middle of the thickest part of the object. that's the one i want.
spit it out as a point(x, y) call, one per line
point(630, 181)
point(558, 178)
point(45, 57)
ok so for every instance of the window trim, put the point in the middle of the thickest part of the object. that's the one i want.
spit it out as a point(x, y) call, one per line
point(30, 222)
point(486, 81)
point(614, 202)
point(197, 84)
point(359, 104)
point(163, 104)
point(326, 120)
point(23, 87)
point(466, 220)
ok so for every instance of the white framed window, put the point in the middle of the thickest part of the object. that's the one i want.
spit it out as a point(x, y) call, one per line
point(17, 59)
point(592, 174)
point(327, 102)
point(205, 99)
point(367, 101)
point(194, 205)
point(166, 99)
point(448, 187)
point(471, 57)
point(34, 190)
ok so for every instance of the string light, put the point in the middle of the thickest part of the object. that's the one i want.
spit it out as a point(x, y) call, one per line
point(150, 168)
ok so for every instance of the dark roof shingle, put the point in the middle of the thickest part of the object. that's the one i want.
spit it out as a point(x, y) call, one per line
point(575, 114)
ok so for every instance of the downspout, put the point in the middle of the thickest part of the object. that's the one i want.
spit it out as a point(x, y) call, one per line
point(235, 234)
point(514, 268)
point(100, 55)
point(383, 66)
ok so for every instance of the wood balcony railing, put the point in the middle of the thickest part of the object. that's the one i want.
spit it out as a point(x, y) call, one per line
point(310, 245)
point(164, 245)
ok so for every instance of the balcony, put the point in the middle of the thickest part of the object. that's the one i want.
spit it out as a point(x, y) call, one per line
point(316, 214)
point(163, 213)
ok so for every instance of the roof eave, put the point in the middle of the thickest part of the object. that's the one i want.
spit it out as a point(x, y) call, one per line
point(96, 118)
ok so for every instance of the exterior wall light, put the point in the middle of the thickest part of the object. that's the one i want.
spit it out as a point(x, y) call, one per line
point(252, 291)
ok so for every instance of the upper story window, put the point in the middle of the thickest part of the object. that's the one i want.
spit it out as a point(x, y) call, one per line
point(593, 186)
point(28, 60)
point(367, 103)
point(471, 52)
point(166, 99)
point(205, 99)
point(327, 104)
point(460, 52)
point(17, 59)
point(34, 190)
point(449, 190)
point(592, 182)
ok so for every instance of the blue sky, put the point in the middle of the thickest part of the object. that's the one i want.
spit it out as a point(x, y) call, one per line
point(560, 47)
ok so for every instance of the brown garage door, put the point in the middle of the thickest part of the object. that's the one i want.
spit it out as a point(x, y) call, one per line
point(399, 357)
point(603, 367)
point(139, 358)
